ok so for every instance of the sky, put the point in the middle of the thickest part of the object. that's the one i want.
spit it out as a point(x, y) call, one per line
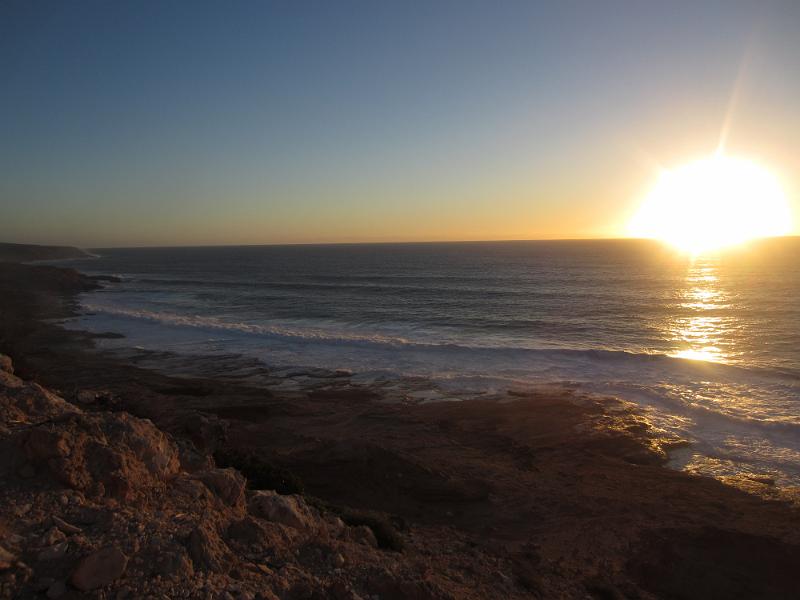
point(190, 123)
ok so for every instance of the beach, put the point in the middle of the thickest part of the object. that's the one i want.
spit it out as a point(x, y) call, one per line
point(550, 494)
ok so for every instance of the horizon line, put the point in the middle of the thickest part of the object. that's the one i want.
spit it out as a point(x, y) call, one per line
point(398, 243)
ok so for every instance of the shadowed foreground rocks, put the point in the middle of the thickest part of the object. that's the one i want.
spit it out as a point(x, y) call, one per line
point(106, 505)
point(100, 504)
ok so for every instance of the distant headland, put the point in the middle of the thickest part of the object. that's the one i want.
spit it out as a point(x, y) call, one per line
point(31, 252)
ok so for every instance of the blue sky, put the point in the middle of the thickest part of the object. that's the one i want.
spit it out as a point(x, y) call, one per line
point(128, 123)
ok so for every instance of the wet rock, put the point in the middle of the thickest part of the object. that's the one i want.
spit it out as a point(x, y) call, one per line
point(99, 569)
point(287, 510)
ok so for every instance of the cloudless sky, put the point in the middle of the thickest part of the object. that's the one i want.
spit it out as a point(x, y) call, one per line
point(154, 123)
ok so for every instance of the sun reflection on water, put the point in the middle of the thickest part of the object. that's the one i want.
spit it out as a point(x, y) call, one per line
point(702, 331)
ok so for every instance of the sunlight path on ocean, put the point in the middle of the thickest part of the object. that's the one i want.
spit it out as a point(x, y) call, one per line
point(704, 334)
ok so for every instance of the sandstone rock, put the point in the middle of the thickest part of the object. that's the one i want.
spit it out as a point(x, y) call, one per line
point(227, 484)
point(113, 453)
point(287, 510)
point(99, 569)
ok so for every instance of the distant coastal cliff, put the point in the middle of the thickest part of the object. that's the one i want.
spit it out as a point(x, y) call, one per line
point(30, 252)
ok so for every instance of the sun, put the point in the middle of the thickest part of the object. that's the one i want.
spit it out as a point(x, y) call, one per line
point(713, 203)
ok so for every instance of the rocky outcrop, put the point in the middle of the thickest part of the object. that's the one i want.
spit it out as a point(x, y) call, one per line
point(100, 454)
point(95, 502)
point(111, 454)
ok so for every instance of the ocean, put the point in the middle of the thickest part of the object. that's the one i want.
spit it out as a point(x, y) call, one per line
point(707, 346)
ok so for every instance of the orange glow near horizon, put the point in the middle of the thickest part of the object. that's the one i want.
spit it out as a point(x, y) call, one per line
point(713, 203)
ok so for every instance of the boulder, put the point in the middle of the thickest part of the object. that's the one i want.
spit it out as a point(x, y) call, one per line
point(250, 532)
point(99, 569)
point(207, 550)
point(288, 510)
point(227, 484)
point(6, 364)
point(114, 454)
point(26, 402)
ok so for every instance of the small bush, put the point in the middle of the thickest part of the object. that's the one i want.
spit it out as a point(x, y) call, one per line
point(261, 474)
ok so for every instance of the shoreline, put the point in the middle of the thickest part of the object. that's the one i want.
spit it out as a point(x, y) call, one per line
point(572, 493)
point(700, 450)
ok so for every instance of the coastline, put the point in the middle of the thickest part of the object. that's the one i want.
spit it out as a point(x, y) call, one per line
point(562, 493)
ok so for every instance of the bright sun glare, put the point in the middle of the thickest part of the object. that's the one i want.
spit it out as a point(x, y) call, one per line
point(713, 203)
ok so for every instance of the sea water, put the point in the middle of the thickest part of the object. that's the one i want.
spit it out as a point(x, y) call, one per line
point(708, 346)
